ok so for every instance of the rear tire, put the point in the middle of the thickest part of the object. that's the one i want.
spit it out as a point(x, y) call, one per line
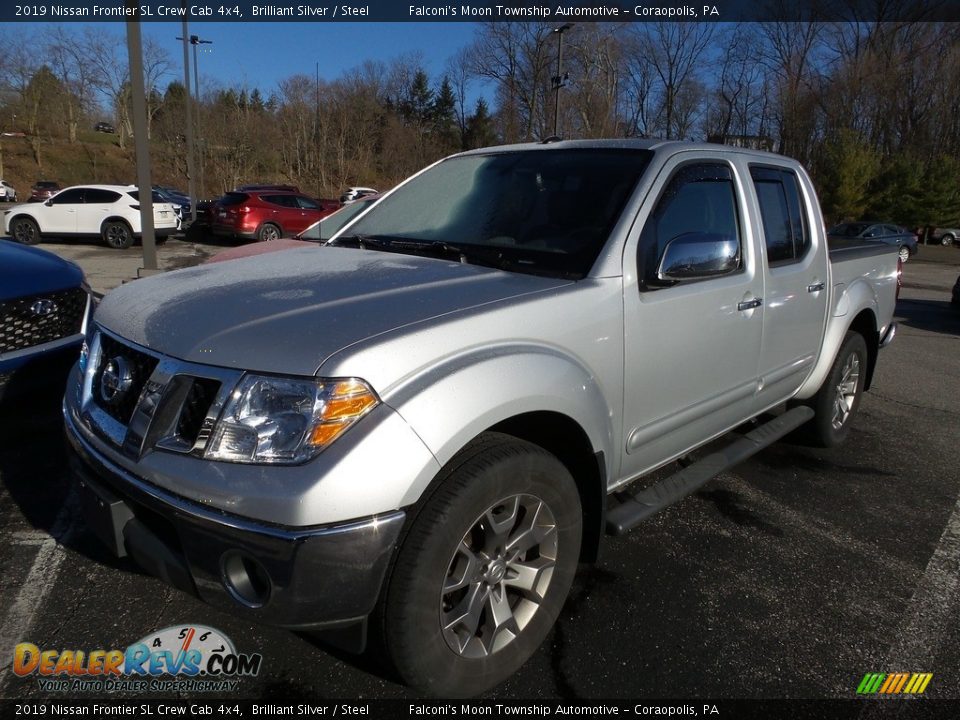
point(838, 399)
point(268, 232)
point(117, 234)
point(484, 570)
point(25, 230)
point(947, 240)
point(904, 253)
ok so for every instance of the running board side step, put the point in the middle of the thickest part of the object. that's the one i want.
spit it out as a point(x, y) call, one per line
point(655, 498)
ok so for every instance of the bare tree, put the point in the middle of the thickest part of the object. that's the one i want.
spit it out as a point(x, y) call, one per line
point(676, 52)
point(516, 57)
point(74, 64)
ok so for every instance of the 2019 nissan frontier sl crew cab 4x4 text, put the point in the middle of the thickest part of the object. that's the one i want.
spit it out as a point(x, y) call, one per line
point(419, 425)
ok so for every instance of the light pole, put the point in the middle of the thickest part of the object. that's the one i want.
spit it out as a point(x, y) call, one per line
point(559, 79)
point(188, 106)
point(196, 40)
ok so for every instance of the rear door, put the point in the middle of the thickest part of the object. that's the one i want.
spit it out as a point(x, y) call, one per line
point(795, 267)
point(690, 349)
point(283, 211)
point(98, 206)
point(310, 212)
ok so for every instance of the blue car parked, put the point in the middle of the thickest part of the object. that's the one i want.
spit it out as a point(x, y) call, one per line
point(44, 308)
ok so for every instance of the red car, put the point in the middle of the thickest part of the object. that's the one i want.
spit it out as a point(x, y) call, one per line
point(266, 214)
point(43, 190)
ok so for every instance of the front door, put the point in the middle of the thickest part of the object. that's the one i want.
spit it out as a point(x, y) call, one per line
point(60, 216)
point(691, 348)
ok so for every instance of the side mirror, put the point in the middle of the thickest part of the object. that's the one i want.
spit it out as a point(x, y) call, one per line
point(698, 256)
point(48, 202)
point(869, 235)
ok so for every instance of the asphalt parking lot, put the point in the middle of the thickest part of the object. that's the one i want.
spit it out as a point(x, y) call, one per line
point(790, 577)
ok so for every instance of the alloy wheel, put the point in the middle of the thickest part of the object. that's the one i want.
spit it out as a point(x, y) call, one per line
point(846, 392)
point(498, 576)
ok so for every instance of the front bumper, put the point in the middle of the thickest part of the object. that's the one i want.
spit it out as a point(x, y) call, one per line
point(311, 578)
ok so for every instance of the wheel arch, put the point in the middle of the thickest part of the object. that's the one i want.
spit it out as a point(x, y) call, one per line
point(865, 323)
point(118, 218)
point(563, 438)
point(24, 216)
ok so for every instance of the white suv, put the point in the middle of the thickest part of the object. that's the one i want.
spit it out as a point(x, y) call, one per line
point(111, 212)
point(7, 191)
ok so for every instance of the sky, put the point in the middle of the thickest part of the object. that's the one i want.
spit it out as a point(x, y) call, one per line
point(258, 55)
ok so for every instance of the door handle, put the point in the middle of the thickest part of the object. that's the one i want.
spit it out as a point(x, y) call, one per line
point(815, 287)
point(749, 304)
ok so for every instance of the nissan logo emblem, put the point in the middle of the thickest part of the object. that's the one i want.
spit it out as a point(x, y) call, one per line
point(115, 380)
point(43, 307)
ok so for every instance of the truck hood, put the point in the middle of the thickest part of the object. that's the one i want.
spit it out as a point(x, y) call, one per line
point(286, 312)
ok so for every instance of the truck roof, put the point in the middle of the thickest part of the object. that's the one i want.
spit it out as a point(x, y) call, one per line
point(654, 144)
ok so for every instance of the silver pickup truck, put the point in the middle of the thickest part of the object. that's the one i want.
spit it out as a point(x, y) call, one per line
point(419, 427)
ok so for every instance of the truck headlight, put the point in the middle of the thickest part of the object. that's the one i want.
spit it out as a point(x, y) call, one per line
point(286, 420)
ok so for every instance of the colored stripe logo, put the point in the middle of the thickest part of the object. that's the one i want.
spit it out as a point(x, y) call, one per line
point(894, 683)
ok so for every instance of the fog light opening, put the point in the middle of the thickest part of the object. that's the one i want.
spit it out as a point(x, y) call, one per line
point(245, 579)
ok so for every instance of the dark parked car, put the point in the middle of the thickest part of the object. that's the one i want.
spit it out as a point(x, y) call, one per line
point(43, 190)
point(44, 307)
point(956, 294)
point(878, 232)
point(180, 202)
point(104, 127)
point(265, 215)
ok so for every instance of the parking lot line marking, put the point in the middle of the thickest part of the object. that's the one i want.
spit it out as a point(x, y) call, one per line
point(39, 581)
point(936, 599)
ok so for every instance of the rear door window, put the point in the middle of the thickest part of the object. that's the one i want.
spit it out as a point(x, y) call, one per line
point(785, 228)
point(98, 196)
point(287, 201)
point(306, 203)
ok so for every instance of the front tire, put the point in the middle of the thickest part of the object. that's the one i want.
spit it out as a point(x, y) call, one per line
point(838, 399)
point(25, 230)
point(118, 235)
point(484, 571)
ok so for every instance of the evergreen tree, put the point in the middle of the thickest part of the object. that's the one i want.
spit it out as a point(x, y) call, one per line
point(480, 128)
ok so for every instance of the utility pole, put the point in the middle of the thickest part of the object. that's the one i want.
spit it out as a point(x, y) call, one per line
point(559, 80)
point(144, 186)
point(191, 177)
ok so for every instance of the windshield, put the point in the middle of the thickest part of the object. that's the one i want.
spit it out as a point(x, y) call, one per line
point(537, 211)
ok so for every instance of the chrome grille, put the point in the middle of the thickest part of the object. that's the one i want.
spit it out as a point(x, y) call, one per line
point(37, 319)
point(165, 403)
point(195, 407)
point(141, 367)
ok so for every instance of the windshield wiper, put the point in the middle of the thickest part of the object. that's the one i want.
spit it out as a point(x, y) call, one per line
point(364, 242)
point(437, 248)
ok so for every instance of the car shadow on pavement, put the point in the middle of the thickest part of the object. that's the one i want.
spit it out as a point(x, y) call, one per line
point(931, 315)
point(35, 475)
